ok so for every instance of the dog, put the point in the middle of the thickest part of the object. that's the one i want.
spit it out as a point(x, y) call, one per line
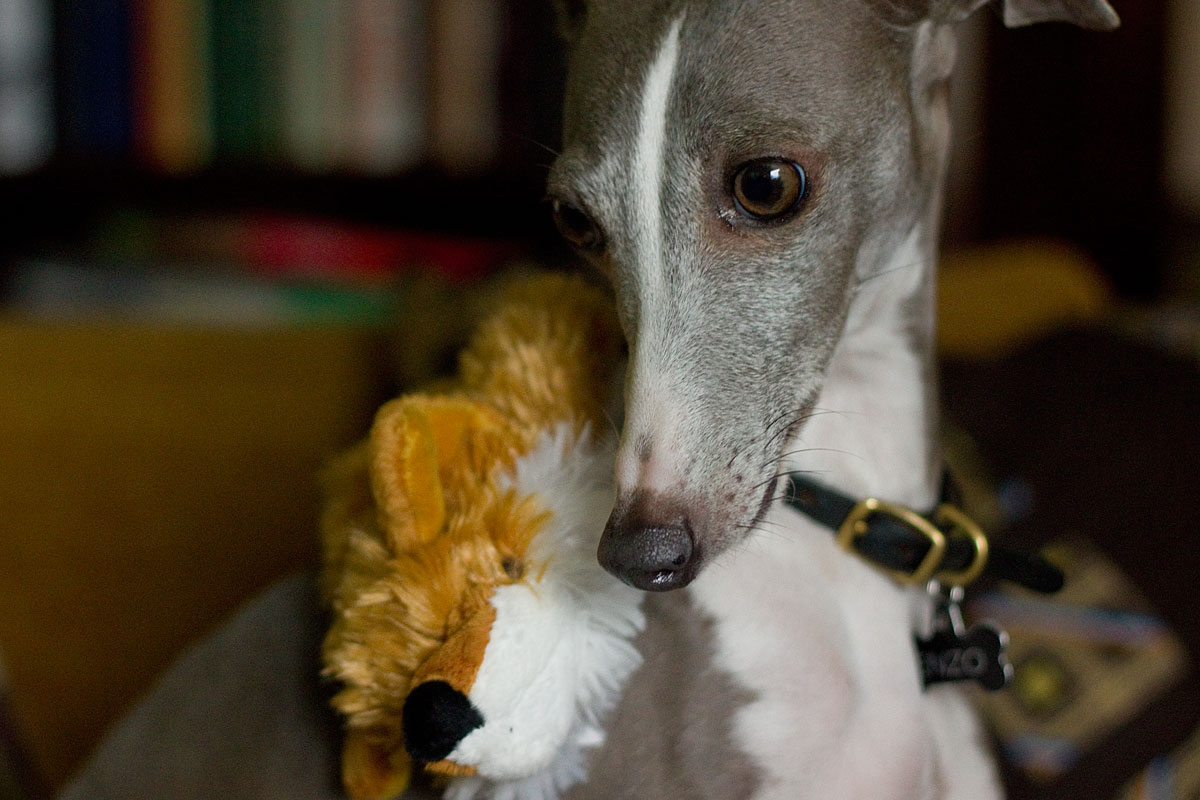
point(761, 182)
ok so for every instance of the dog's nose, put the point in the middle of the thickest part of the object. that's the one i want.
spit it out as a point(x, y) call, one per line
point(653, 555)
point(436, 717)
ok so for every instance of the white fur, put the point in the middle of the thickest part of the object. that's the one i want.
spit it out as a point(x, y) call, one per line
point(649, 155)
point(561, 647)
point(649, 395)
point(661, 470)
point(839, 710)
point(824, 665)
point(870, 433)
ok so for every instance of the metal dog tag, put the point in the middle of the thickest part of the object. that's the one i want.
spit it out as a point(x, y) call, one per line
point(953, 653)
point(978, 655)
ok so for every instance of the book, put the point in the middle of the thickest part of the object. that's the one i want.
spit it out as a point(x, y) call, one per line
point(244, 53)
point(172, 109)
point(26, 85)
point(387, 86)
point(95, 67)
point(464, 107)
point(314, 70)
point(173, 294)
point(298, 247)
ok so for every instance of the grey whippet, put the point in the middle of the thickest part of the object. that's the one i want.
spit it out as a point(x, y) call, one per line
point(761, 180)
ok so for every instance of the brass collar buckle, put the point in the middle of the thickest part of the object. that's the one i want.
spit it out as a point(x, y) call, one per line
point(948, 523)
point(915, 547)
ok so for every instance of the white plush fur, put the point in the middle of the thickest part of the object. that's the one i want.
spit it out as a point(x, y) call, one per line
point(561, 646)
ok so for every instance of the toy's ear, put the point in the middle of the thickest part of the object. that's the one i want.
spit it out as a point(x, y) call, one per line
point(404, 474)
point(414, 442)
point(371, 770)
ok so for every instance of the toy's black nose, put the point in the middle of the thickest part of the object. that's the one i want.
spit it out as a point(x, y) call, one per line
point(436, 718)
point(648, 546)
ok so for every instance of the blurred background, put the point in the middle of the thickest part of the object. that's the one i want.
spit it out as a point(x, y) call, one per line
point(230, 228)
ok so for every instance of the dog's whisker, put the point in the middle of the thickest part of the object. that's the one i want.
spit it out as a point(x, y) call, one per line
point(760, 485)
point(612, 423)
point(899, 268)
point(780, 417)
point(778, 460)
point(775, 531)
point(841, 412)
point(542, 145)
point(800, 419)
point(783, 431)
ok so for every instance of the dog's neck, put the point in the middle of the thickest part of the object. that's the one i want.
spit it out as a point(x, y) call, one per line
point(874, 428)
point(830, 614)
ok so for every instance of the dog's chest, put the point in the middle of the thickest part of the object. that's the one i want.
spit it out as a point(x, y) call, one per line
point(823, 647)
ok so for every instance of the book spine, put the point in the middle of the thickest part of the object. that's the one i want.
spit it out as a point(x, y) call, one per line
point(464, 45)
point(26, 85)
point(388, 88)
point(96, 109)
point(239, 59)
point(314, 42)
point(172, 106)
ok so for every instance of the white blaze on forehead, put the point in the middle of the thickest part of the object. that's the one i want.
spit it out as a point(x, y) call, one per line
point(649, 406)
point(650, 153)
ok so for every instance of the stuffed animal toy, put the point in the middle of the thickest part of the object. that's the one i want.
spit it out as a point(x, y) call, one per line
point(473, 634)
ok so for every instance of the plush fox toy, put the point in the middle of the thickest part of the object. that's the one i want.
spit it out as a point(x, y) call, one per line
point(474, 634)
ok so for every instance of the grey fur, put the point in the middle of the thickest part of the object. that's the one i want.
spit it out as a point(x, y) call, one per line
point(670, 735)
point(241, 716)
point(750, 314)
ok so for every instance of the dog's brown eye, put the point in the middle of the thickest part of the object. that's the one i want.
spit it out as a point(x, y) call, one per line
point(769, 188)
point(576, 226)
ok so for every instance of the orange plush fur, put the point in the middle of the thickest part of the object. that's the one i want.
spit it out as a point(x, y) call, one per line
point(418, 533)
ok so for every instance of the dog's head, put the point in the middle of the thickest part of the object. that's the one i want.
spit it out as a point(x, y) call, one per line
point(737, 170)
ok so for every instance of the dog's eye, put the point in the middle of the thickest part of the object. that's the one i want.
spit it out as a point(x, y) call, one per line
point(768, 188)
point(576, 226)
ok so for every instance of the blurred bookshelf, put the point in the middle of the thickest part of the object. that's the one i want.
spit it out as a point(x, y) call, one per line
point(231, 228)
point(442, 115)
point(435, 116)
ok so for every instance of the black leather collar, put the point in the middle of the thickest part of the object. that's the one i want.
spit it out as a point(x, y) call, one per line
point(905, 542)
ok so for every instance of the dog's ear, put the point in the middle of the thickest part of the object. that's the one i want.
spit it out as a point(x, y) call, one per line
point(1094, 14)
point(570, 16)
